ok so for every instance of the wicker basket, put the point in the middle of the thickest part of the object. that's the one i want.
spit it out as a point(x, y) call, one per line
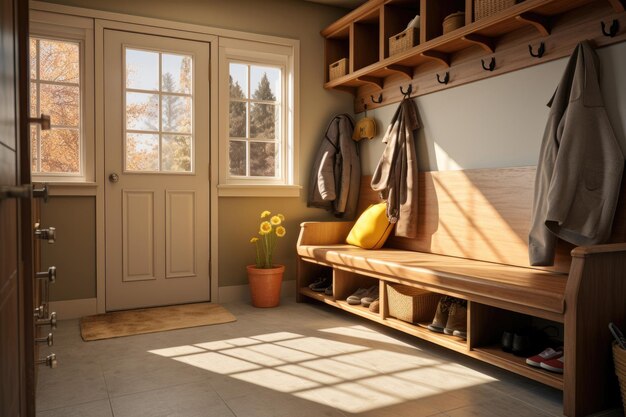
point(619, 358)
point(338, 69)
point(485, 8)
point(411, 304)
point(453, 21)
point(403, 40)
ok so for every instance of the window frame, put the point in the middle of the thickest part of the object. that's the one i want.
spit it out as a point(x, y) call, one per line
point(53, 26)
point(261, 54)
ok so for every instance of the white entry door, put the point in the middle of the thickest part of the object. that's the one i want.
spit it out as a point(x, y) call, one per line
point(156, 102)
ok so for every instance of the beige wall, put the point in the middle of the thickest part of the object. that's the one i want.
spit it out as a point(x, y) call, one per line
point(238, 217)
point(74, 252)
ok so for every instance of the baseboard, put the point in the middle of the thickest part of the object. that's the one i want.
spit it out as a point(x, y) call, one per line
point(74, 309)
point(241, 293)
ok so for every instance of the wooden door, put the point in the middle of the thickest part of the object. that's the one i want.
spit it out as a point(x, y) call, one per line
point(157, 164)
point(16, 325)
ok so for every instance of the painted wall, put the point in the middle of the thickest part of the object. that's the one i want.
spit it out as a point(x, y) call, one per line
point(497, 122)
point(238, 217)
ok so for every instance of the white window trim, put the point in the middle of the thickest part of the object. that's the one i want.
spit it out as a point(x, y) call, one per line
point(287, 185)
point(81, 30)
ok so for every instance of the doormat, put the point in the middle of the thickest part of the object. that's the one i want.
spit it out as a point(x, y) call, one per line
point(151, 320)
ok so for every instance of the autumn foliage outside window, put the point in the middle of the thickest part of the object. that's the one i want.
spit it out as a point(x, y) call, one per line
point(55, 89)
point(254, 120)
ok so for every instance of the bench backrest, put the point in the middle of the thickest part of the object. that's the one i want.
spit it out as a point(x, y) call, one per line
point(481, 214)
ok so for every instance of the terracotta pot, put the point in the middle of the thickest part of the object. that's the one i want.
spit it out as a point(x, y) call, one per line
point(265, 285)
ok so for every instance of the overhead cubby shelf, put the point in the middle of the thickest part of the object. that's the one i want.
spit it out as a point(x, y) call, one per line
point(526, 34)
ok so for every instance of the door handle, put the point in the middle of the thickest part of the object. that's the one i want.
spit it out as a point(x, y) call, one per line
point(50, 275)
point(49, 340)
point(43, 120)
point(114, 177)
point(50, 360)
point(50, 321)
point(41, 193)
point(48, 234)
point(15, 191)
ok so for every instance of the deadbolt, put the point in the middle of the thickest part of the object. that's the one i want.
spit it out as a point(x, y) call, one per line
point(50, 275)
point(48, 234)
point(114, 177)
point(49, 340)
point(50, 360)
point(50, 321)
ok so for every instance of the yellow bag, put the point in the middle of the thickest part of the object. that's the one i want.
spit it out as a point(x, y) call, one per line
point(372, 228)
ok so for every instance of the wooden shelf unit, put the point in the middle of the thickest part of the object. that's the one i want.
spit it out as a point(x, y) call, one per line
point(481, 337)
point(362, 37)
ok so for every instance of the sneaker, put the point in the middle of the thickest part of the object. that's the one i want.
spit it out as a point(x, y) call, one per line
point(355, 298)
point(546, 355)
point(554, 365)
point(441, 315)
point(321, 284)
point(375, 306)
point(372, 295)
point(329, 290)
point(457, 319)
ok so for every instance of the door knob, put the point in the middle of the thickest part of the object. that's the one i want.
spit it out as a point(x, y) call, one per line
point(50, 360)
point(48, 234)
point(43, 120)
point(50, 275)
point(41, 193)
point(113, 177)
point(50, 321)
point(49, 340)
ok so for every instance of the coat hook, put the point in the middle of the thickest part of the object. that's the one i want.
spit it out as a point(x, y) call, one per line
point(408, 92)
point(492, 64)
point(612, 30)
point(445, 80)
point(379, 100)
point(540, 51)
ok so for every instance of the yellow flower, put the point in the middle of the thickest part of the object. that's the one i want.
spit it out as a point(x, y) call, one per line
point(280, 231)
point(254, 240)
point(281, 217)
point(275, 220)
point(265, 214)
point(266, 227)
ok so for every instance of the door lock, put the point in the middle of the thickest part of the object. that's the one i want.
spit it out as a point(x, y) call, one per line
point(50, 321)
point(50, 360)
point(50, 275)
point(48, 234)
point(49, 340)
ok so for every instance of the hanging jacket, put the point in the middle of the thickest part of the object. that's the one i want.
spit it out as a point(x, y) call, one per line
point(336, 174)
point(395, 177)
point(580, 165)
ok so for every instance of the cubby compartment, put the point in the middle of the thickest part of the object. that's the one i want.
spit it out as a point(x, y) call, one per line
point(365, 40)
point(435, 11)
point(396, 15)
point(337, 47)
point(486, 336)
point(309, 273)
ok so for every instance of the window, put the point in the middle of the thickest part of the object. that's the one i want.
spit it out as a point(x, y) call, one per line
point(159, 109)
point(55, 89)
point(61, 85)
point(257, 135)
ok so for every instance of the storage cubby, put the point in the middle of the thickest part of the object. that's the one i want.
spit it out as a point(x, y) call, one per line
point(396, 15)
point(365, 41)
point(434, 11)
point(337, 46)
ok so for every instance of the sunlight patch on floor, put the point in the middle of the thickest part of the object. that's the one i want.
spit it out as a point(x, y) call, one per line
point(353, 377)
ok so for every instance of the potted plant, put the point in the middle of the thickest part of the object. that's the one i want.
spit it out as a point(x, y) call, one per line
point(265, 277)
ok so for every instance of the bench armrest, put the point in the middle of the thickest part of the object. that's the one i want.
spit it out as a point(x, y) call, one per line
point(324, 233)
point(583, 251)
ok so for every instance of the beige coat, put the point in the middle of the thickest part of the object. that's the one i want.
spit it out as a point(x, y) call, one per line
point(580, 165)
point(395, 177)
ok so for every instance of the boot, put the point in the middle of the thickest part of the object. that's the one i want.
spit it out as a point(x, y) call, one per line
point(441, 315)
point(457, 319)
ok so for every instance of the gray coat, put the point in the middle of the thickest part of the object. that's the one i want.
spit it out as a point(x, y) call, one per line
point(336, 174)
point(395, 177)
point(580, 165)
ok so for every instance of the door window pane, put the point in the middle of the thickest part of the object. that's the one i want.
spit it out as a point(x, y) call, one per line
point(59, 61)
point(159, 119)
point(59, 151)
point(61, 102)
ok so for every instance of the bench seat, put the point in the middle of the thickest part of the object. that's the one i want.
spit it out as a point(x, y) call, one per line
point(516, 288)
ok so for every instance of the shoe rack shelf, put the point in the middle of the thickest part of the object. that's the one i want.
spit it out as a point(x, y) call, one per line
point(509, 38)
point(485, 324)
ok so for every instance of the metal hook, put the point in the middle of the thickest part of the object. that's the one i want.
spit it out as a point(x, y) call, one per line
point(408, 92)
point(445, 80)
point(492, 64)
point(380, 98)
point(540, 51)
point(612, 30)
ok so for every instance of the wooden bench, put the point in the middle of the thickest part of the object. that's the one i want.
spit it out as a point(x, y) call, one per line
point(472, 244)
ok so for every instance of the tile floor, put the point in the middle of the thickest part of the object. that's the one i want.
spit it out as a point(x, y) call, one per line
point(296, 360)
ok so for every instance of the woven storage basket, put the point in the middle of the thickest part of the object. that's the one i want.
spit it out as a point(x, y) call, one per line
point(338, 69)
point(453, 21)
point(403, 40)
point(411, 304)
point(485, 8)
point(619, 358)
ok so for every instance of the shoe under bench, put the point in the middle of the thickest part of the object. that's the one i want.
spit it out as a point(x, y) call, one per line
point(472, 245)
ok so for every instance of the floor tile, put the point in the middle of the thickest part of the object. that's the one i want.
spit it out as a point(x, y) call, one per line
point(101, 408)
